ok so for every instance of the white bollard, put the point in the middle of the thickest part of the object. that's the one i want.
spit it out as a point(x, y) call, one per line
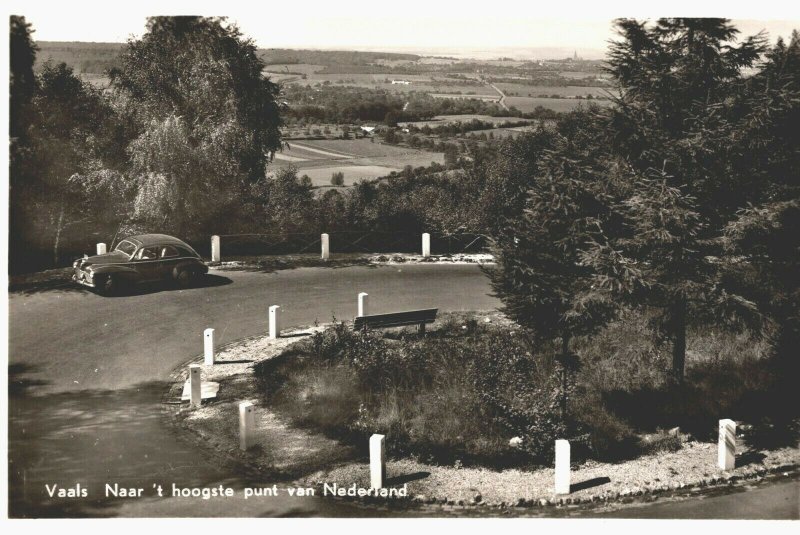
point(562, 467)
point(274, 322)
point(426, 245)
point(726, 454)
point(216, 251)
point(195, 396)
point(377, 461)
point(101, 248)
point(208, 346)
point(247, 425)
point(363, 304)
point(326, 246)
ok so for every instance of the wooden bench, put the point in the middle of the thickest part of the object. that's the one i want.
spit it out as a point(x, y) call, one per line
point(396, 319)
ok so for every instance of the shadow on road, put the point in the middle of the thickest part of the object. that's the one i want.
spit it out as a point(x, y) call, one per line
point(18, 383)
point(207, 281)
point(61, 281)
point(589, 483)
point(406, 478)
point(99, 437)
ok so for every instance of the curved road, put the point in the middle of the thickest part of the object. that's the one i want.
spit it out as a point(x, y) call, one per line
point(87, 374)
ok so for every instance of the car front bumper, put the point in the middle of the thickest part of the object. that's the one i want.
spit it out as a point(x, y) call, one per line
point(80, 277)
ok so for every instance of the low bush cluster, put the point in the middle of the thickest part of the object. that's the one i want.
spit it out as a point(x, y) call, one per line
point(461, 393)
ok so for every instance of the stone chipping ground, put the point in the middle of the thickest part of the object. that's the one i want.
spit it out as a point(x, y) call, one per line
point(688, 467)
point(274, 263)
point(278, 449)
point(311, 459)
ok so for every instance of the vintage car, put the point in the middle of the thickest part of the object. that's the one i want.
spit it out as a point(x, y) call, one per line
point(136, 259)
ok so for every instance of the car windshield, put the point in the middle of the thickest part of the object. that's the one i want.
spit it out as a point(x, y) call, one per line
point(126, 247)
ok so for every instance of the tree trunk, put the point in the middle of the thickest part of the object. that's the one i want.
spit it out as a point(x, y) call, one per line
point(679, 339)
point(59, 228)
point(564, 374)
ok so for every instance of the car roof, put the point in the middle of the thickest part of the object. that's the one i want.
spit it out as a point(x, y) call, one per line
point(145, 240)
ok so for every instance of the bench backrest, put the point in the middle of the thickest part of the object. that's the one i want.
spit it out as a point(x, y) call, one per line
point(396, 319)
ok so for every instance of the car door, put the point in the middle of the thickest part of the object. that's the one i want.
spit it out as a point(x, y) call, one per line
point(147, 263)
point(169, 256)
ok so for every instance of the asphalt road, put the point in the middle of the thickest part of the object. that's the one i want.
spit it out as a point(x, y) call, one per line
point(87, 375)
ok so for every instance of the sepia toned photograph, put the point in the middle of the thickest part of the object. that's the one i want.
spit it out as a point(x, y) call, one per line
point(430, 261)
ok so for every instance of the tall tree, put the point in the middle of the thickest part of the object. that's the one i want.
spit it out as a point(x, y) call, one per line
point(676, 79)
point(195, 89)
point(64, 139)
point(22, 51)
point(21, 165)
point(540, 275)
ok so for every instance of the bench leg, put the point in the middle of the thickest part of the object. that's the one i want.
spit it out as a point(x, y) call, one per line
point(421, 328)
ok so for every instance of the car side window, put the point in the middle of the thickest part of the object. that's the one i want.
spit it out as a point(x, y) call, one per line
point(147, 253)
point(168, 251)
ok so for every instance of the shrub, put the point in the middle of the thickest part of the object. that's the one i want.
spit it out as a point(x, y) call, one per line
point(460, 393)
point(456, 394)
point(337, 178)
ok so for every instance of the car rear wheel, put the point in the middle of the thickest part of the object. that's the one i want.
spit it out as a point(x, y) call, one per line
point(185, 277)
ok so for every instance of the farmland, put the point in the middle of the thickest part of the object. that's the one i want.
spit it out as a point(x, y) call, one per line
point(524, 90)
point(417, 83)
point(356, 158)
point(329, 95)
point(499, 133)
point(529, 104)
point(440, 77)
point(440, 120)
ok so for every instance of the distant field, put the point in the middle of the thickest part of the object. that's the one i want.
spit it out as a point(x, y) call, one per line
point(523, 90)
point(493, 97)
point(419, 82)
point(361, 148)
point(440, 120)
point(504, 62)
point(356, 158)
point(321, 176)
point(579, 75)
point(100, 81)
point(305, 68)
point(500, 133)
point(436, 61)
point(529, 104)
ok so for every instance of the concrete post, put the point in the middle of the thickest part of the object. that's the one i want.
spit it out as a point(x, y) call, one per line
point(247, 425)
point(726, 454)
point(377, 461)
point(363, 304)
point(326, 248)
point(208, 346)
point(101, 248)
point(426, 245)
point(562, 467)
point(274, 322)
point(216, 249)
point(195, 398)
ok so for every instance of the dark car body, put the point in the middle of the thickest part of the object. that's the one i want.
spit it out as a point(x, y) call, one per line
point(142, 258)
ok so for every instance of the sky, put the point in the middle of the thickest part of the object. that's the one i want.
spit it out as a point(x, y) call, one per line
point(476, 28)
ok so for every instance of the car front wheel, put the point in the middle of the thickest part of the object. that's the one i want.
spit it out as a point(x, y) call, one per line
point(106, 284)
